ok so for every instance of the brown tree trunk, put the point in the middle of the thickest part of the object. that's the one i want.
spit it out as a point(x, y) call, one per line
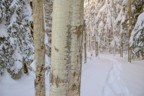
point(39, 47)
point(129, 28)
point(121, 46)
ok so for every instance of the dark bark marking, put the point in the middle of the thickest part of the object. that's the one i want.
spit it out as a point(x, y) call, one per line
point(56, 49)
point(78, 30)
point(52, 78)
point(74, 87)
point(58, 81)
point(74, 74)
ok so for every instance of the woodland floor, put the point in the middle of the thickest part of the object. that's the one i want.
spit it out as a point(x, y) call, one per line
point(105, 75)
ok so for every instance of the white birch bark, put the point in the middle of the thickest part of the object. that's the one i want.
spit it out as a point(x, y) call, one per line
point(60, 47)
point(66, 57)
point(77, 26)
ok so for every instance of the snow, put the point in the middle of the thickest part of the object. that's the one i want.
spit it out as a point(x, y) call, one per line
point(3, 30)
point(22, 87)
point(106, 75)
point(133, 76)
point(46, 39)
point(94, 75)
point(114, 85)
point(28, 11)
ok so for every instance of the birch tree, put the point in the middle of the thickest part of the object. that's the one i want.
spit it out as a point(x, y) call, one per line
point(61, 40)
point(39, 47)
point(67, 27)
point(77, 26)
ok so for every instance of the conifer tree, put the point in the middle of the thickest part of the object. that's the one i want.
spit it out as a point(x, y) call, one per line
point(16, 42)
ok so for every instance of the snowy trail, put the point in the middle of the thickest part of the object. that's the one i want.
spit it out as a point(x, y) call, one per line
point(133, 76)
point(114, 84)
point(96, 70)
point(111, 76)
point(106, 75)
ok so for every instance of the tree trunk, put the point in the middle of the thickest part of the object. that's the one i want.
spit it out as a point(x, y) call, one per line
point(48, 6)
point(39, 47)
point(96, 44)
point(129, 29)
point(97, 48)
point(89, 42)
point(77, 28)
point(121, 46)
point(61, 43)
point(66, 47)
point(96, 39)
point(114, 48)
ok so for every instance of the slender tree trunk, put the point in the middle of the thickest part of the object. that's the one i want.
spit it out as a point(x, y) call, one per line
point(109, 41)
point(48, 6)
point(129, 29)
point(121, 46)
point(39, 47)
point(96, 46)
point(121, 49)
point(90, 42)
point(114, 48)
point(97, 43)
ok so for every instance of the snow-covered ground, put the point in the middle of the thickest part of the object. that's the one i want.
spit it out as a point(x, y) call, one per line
point(106, 75)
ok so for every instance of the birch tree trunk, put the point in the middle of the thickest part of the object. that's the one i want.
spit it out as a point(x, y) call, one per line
point(61, 43)
point(77, 28)
point(39, 47)
point(66, 47)
point(129, 28)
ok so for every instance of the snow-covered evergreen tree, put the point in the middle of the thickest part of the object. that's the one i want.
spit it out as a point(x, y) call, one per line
point(137, 36)
point(16, 42)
